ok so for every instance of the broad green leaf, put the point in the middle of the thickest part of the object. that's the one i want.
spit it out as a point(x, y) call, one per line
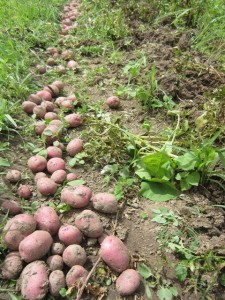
point(13, 297)
point(187, 161)
point(143, 174)
point(4, 162)
point(159, 191)
point(181, 272)
point(148, 292)
point(222, 279)
point(72, 162)
point(76, 182)
point(145, 271)
point(164, 294)
point(193, 178)
point(174, 291)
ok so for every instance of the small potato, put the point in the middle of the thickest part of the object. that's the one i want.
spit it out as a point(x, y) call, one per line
point(11, 206)
point(39, 111)
point(11, 266)
point(17, 228)
point(49, 106)
point(59, 100)
point(39, 175)
point(128, 282)
point(69, 234)
point(47, 219)
point(52, 133)
point(77, 197)
point(89, 224)
point(115, 254)
point(46, 186)
point(28, 106)
point(13, 176)
point(113, 102)
point(59, 176)
point(75, 146)
point(67, 55)
point(75, 274)
point(24, 191)
point(57, 123)
point(74, 120)
point(35, 245)
point(37, 163)
point(34, 281)
point(59, 84)
point(53, 151)
point(54, 164)
point(40, 127)
point(105, 203)
point(74, 255)
point(45, 95)
point(55, 262)
point(57, 281)
point(71, 177)
point(51, 116)
point(57, 248)
point(67, 104)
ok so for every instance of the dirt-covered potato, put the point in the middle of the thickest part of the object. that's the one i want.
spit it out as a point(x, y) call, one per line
point(89, 224)
point(46, 186)
point(77, 197)
point(74, 120)
point(44, 95)
point(52, 133)
point(37, 163)
point(34, 281)
point(39, 127)
point(39, 175)
point(57, 281)
point(17, 228)
point(59, 176)
point(69, 234)
point(35, 245)
point(55, 262)
point(11, 266)
point(47, 219)
point(105, 203)
point(128, 282)
point(71, 176)
point(28, 106)
point(57, 248)
point(54, 164)
point(115, 254)
point(11, 206)
point(75, 146)
point(39, 111)
point(24, 191)
point(76, 273)
point(113, 102)
point(51, 116)
point(13, 176)
point(53, 151)
point(74, 255)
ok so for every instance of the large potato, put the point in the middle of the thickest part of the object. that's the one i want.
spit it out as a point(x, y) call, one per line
point(11, 266)
point(34, 281)
point(74, 255)
point(89, 223)
point(57, 281)
point(77, 197)
point(47, 219)
point(69, 234)
point(105, 203)
point(76, 274)
point(37, 163)
point(115, 254)
point(35, 245)
point(17, 228)
point(128, 282)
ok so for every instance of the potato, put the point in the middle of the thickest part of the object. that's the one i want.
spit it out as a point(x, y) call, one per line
point(52, 133)
point(37, 163)
point(59, 100)
point(77, 197)
point(105, 203)
point(74, 255)
point(45, 95)
point(49, 106)
point(52, 50)
point(55, 262)
point(59, 176)
point(54, 164)
point(11, 266)
point(53, 89)
point(128, 282)
point(75, 146)
point(39, 111)
point(113, 102)
point(74, 120)
point(69, 234)
point(47, 219)
point(53, 151)
point(39, 127)
point(46, 186)
point(34, 98)
point(73, 65)
point(39, 175)
point(57, 248)
point(57, 123)
point(115, 254)
point(76, 274)
point(59, 84)
point(61, 69)
point(35, 245)
point(67, 55)
point(71, 177)
point(41, 69)
point(67, 105)
point(57, 281)
point(89, 224)
point(13, 176)
point(51, 116)
point(50, 61)
point(17, 228)
point(34, 281)
point(11, 206)
point(28, 106)
point(24, 191)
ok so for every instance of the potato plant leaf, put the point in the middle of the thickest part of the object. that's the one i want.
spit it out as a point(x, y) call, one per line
point(145, 271)
point(4, 162)
point(181, 272)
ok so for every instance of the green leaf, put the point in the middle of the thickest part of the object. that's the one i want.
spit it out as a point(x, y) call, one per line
point(174, 291)
point(11, 120)
point(187, 161)
point(222, 279)
point(13, 297)
point(193, 178)
point(144, 271)
point(159, 191)
point(76, 182)
point(62, 292)
point(164, 294)
point(148, 292)
point(72, 162)
point(4, 162)
point(181, 272)
point(143, 174)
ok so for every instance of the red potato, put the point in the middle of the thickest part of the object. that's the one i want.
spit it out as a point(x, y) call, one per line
point(39, 111)
point(34, 98)
point(105, 203)
point(67, 104)
point(69, 234)
point(73, 65)
point(113, 102)
point(40, 127)
point(61, 69)
point(76, 274)
point(75, 146)
point(11, 266)
point(67, 55)
point(45, 95)
point(59, 176)
point(77, 197)
point(51, 62)
point(49, 106)
point(57, 248)
point(59, 100)
point(89, 224)
point(24, 191)
point(35, 245)
point(74, 120)
point(115, 254)
point(55, 262)
point(47, 219)
point(53, 151)
point(37, 163)
point(41, 69)
point(12, 207)
point(74, 255)
point(56, 123)
point(128, 282)
point(71, 177)
point(59, 84)
point(13, 176)
point(53, 89)
point(57, 281)
point(72, 97)
point(28, 106)
point(39, 175)
point(54, 164)
point(52, 133)
point(16, 229)
point(51, 116)
point(52, 50)
point(46, 186)
point(34, 281)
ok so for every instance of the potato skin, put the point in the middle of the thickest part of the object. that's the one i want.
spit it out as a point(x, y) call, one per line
point(89, 224)
point(13, 176)
point(34, 281)
point(74, 120)
point(113, 102)
point(75, 273)
point(57, 281)
point(74, 255)
point(11, 266)
point(78, 197)
point(46, 186)
point(57, 248)
point(54, 151)
point(17, 229)
point(75, 146)
point(54, 164)
point(24, 191)
point(55, 262)
point(37, 163)
point(128, 282)
point(35, 245)
point(11, 206)
point(115, 254)
point(105, 203)
point(47, 219)
point(59, 176)
point(69, 234)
